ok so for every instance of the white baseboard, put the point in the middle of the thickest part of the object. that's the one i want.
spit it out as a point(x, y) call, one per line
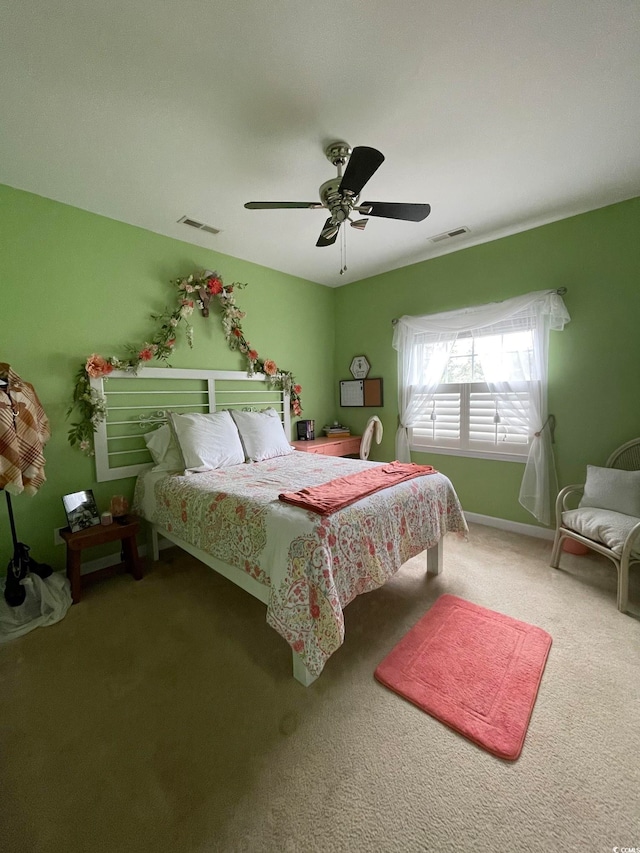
point(512, 526)
point(114, 559)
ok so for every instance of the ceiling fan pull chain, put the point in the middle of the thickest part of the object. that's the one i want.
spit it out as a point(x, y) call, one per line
point(343, 252)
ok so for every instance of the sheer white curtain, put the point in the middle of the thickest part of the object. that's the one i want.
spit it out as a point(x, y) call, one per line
point(415, 383)
point(533, 315)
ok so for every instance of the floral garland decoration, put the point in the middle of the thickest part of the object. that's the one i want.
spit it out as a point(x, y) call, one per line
point(197, 289)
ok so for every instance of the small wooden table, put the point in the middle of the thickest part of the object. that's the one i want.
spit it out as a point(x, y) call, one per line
point(330, 445)
point(98, 535)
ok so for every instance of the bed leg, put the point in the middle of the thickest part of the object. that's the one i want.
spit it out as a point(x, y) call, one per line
point(434, 558)
point(300, 671)
point(153, 550)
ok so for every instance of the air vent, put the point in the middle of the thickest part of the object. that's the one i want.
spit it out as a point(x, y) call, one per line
point(447, 235)
point(199, 225)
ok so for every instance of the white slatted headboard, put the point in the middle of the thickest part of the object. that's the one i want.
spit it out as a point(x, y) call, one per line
point(136, 403)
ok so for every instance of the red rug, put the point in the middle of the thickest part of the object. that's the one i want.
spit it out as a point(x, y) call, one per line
point(473, 669)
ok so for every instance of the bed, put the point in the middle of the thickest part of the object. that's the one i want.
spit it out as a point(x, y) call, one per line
point(305, 567)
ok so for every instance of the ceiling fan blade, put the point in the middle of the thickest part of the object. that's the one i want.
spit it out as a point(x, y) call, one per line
point(362, 164)
point(273, 205)
point(331, 229)
point(393, 210)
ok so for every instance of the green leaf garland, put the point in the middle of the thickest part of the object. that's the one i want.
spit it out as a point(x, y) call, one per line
point(196, 290)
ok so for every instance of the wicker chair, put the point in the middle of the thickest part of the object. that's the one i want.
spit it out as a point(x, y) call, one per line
point(607, 531)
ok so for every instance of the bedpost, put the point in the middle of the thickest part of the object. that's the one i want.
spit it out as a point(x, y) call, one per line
point(300, 671)
point(151, 535)
point(434, 558)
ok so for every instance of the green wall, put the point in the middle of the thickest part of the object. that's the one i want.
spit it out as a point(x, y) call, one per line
point(74, 283)
point(594, 364)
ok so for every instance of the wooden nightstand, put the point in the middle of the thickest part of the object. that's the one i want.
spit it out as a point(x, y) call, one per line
point(329, 446)
point(99, 535)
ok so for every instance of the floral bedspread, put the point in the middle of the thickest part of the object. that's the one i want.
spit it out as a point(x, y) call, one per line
point(313, 565)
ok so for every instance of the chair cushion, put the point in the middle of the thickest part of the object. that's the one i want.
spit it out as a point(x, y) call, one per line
point(603, 526)
point(610, 488)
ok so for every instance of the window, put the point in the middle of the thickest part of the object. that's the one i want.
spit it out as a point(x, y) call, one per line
point(474, 382)
point(463, 415)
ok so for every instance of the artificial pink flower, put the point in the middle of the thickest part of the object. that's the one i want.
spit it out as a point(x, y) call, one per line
point(297, 388)
point(270, 367)
point(237, 332)
point(145, 354)
point(214, 286)
point(297, 408)
point(171, 342)
point(253, 355)
point(187, 303)
point(97, 366)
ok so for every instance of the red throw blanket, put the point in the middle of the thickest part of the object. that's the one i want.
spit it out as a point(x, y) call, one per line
point(336, 494)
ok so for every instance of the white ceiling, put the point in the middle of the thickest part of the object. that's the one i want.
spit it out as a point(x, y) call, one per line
point(502, 114)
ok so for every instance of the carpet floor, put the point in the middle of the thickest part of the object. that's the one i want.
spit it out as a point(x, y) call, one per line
point(162, 716)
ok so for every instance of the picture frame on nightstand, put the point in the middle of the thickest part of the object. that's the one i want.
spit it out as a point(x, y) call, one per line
point(81, 510)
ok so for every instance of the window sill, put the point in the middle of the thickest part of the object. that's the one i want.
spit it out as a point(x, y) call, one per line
point(472, 454)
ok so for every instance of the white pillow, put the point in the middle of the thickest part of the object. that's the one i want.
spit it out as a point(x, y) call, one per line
point(164, 450)
point(609, 488)
point(207, 441)
point(262, 434)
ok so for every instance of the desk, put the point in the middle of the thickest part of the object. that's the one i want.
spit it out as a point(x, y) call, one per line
point(329, 446)
point(98, 535)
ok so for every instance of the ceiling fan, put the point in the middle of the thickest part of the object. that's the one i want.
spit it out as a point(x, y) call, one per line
point(341, 195)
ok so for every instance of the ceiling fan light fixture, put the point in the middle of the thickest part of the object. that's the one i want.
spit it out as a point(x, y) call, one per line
point(360, 224)
point(331, 231)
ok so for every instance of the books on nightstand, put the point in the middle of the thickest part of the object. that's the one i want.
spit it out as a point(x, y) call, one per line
point(337, 431)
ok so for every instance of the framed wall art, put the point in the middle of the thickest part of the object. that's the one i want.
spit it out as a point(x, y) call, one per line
point(361, 392)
